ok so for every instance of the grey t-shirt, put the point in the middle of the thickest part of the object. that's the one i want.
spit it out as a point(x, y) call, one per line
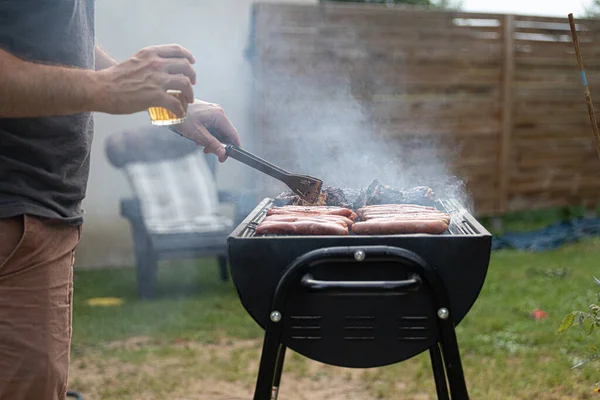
point(44, 162)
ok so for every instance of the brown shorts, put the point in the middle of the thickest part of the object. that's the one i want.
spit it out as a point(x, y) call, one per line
point(36, 290)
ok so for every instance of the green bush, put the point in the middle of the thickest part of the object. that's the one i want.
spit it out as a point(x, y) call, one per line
point(586, 321)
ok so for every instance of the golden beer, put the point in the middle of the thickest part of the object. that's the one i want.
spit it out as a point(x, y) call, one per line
point(162, 117)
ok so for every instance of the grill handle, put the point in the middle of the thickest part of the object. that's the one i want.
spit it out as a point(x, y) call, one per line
point(408, 285)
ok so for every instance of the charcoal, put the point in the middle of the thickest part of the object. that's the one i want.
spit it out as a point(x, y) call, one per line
point(378, 193)
point(286, 198)
point(419, 195)
point(334, 197)
point(373, 190)
point(357, 198)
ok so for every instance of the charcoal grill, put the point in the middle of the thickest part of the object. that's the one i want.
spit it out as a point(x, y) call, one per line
point(361, 301)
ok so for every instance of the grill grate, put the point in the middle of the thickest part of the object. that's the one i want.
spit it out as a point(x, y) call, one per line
point(459, 224)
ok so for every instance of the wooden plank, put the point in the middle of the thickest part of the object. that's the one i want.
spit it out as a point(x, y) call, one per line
point(320, 91)
point(408, 31)
point(451, 128)
point(418, 58)
point(560, 31)
point(564, 143)
point(380, 43)
point(543, 110)
point(346, 49)
point(555, 98)
point(406, 36)
point(530, 166)
point(552, 132)
point(588, 23)
point(548, 153)
point(535, 123)
point(555, 180)
point(532, 48)
point(344, 15)
point(558, 174)
point(554, 63)
point(409, 11)
point(569, 187)
point(507, 113)
point(382, 112)
point(570, 76)
point(547, 92)
point(393, 111)
point(450, 65)
point(395, 74)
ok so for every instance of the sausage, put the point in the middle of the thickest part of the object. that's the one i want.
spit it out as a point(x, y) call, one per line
point(416, 217)
point(399, 211)
point(302, 228)
point(321, 210)
point(309, 217)
point(407, 214)
point(398, 207)
point(283, 218)
point(399, 226)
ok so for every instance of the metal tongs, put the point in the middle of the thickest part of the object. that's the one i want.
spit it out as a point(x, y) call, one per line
point(307, 187)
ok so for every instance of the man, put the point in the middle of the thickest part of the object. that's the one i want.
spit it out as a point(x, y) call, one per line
point(52, 77)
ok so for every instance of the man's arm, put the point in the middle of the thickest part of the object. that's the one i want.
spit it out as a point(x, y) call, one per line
point(103, 60)
point(32, 90)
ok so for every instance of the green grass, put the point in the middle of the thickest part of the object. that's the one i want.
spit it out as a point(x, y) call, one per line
point(506, 353)
point(191, 303)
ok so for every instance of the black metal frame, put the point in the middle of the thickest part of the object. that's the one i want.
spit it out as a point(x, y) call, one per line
point(445, 355)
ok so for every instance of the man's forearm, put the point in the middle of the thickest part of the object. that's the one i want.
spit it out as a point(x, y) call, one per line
point(103, 60)
point(34, 90)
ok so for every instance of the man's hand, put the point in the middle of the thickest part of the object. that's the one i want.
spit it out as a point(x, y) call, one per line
point(208, 126)
point(142, 81)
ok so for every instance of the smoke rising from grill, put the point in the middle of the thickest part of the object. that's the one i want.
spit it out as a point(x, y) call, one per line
point(332, 133)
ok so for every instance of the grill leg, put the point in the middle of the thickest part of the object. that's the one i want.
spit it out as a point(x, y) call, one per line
point(278, 371)
point(454, 369)
point(439, 375)
point(270, 361)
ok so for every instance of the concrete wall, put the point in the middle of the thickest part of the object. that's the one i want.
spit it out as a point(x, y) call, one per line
point(216, 31)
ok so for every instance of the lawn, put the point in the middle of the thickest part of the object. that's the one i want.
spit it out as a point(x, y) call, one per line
point(197, 342)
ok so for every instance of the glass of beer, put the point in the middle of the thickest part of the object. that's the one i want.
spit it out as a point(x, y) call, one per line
point(162, 117)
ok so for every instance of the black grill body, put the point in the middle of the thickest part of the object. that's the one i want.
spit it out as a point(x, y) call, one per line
point(360, 301)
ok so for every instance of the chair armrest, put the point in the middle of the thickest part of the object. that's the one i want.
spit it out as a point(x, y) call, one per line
point(130, 209)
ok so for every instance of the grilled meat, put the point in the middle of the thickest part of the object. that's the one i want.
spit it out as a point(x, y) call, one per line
point(376, 193)
point(399, 219)
point(302, 227)
point(307, 220)
point(380, 209)
point(292, 217)
point(395, 226)
point(313, 210)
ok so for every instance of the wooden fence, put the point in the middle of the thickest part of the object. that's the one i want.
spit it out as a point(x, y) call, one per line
point(498, 96)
